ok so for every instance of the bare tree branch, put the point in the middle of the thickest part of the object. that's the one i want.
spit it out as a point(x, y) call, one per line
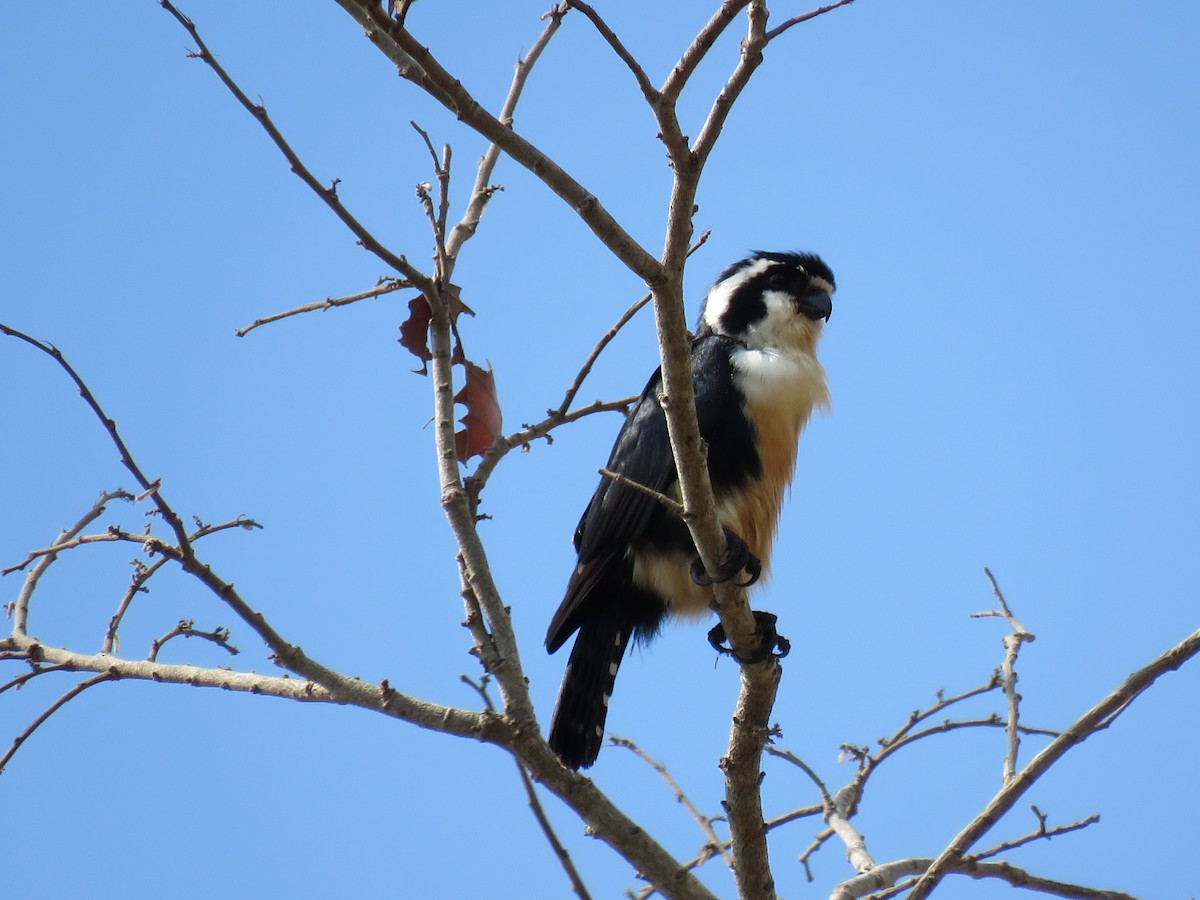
point(20, 681)
point(186, 629)
point(560, 415)
point(535, 806)
point(708, 852)
point(889, 873)
point(417, 64)
point(530, 433)
point(705, 822)
point(327, 194)
point(701, 44)
point(751, 58)
point(19, 608)
point(48, 712)
point(673, 505)
point(386, 286)
point(483, 190)
point(1095, 719)
point(796, 20)
point(608, 822)
point(639, 75)
point(142, 574)
point(624, 320)
point(71, 538)
point(341, 690)
point(837, 812)
point(1039, 834)
point(1008, 675)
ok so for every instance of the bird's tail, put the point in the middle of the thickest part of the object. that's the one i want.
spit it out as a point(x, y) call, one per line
point(577, 729)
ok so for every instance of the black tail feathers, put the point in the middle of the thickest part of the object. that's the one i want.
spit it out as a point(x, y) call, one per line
point(577, 729)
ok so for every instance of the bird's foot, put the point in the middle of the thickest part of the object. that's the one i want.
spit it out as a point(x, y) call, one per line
point(773, 643)
point(737, 558)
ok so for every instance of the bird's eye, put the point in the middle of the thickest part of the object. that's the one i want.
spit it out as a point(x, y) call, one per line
point(778, 280)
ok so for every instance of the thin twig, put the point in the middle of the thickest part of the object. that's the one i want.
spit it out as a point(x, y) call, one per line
point(673, 505)
point(1040, 833)
point(838, 810)
point(796, 20)
point(818, 841)
point(328, 195)
point(185, 628)
point(847, 797)
point(560, 416)
point(456, 503)
point(705, 822)
point(751, 58)
point(288, 655)
point(142, 573)
point(54, 549)
point(707, 852)
point(150, 488)
point(806, 769)
point(19, 609)
point(1008, 673)
point(698, 49)
point(476, 481)
point(417, 64)
point(535, 805)
point(1099, 716)
point(386, 286)
point(887, 875)
point(51, 710)
point(484, 646)
point(639, 75)
point(483, 189)
point(20, 681)
point(333, 688)
point(437, 217)
point(609, 335)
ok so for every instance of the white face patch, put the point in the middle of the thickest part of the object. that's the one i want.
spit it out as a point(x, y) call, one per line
point(718, 298)
point(782, 327)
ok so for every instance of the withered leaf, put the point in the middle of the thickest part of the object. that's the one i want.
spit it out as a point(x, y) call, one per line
point(414, 333)
point(483, 419)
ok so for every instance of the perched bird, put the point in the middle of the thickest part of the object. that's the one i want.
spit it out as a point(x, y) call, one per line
point(757, 381)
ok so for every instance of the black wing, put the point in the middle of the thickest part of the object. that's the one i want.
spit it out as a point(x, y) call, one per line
point(617, 514)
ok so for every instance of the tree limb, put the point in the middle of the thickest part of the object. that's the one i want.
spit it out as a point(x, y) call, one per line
point(327, 194)
point(1095, 719)
point(417, 64)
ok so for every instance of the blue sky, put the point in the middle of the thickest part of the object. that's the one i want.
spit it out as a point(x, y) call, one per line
point(1007, 193)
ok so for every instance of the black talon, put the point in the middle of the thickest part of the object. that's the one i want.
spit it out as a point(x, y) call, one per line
point(772, 641)
point(717, 638)
point(754, 568)
point(737, 558)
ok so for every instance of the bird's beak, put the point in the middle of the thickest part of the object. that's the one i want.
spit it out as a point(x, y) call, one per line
point(816, 306)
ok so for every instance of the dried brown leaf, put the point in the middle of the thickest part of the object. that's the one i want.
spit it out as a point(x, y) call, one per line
point(483, 419)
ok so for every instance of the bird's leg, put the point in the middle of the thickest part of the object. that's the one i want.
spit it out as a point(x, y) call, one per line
point(737, 558)
point(772, 640)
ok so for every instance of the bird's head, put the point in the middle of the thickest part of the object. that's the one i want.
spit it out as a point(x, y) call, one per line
point(771, 300)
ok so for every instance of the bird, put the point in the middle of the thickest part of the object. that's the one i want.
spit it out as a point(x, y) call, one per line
point(757, 381)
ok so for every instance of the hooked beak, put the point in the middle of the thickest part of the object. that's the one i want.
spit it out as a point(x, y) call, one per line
point(816, 306)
